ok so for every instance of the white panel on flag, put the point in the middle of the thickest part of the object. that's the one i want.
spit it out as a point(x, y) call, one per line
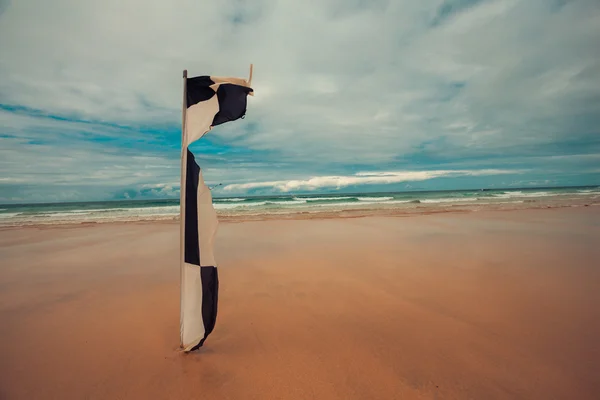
point(199, 118)
point(192, 324)
point(207, 224)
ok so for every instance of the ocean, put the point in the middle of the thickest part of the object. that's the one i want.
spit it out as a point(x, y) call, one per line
point(290, 205)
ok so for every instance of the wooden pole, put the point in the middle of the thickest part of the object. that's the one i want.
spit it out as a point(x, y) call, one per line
point(182, 206)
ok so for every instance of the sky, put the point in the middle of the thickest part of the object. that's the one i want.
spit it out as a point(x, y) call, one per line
point(350, 95)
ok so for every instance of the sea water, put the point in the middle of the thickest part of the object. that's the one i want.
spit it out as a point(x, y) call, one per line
point(168, 209)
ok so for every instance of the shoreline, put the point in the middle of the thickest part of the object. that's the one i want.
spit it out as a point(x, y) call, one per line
point(382, 211)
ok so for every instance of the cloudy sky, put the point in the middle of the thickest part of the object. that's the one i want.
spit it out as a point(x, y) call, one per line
point(351, 95)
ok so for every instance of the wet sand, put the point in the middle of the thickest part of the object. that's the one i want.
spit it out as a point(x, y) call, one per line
point(484, 305)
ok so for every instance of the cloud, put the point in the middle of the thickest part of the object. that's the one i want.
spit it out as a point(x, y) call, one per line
point(341, 86)
point(361, 178)
point(448, 8)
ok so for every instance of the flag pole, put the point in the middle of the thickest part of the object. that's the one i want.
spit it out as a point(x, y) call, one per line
point(182, 205)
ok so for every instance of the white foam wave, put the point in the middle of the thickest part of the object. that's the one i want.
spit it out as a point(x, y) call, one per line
point(258, 204)
point(8, 215)
point(232, 199)
point(131, 210)
point(322, 198)
point(361, 204)
point(589, 193)
point(225, 206)
point(63, 213)
point(95, 219)
point(375, 199)
point(287, 202)
point(57, 214)
point(508, 195)
point(92, 215)
point(150, 210)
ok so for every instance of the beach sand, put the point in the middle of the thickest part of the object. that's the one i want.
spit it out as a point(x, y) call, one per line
point(483, 305)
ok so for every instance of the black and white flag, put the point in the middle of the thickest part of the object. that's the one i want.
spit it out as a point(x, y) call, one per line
point(209, 101)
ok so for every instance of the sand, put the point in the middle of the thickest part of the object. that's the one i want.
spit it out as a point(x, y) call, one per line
point(488, 305)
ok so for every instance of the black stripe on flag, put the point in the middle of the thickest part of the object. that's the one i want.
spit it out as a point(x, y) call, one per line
point(233, 99)
point(198, 89)
point(192, 249)
point(210, 300)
